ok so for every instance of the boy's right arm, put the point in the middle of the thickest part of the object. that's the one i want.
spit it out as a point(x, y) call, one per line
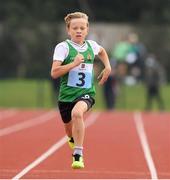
point(58, 69)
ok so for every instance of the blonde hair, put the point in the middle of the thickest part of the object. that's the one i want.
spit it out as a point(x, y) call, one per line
point(75, 15)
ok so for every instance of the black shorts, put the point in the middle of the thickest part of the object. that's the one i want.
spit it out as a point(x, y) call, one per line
point(65, 108)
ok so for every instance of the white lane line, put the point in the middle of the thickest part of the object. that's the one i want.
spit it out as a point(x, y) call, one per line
point(7, 114)
point(27, 124)
point(145, 144)
point(90, 120)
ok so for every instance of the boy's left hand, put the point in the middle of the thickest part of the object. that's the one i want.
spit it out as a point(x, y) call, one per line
point(104, 76)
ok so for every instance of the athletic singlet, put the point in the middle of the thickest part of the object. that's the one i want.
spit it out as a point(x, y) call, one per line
point(79, 80)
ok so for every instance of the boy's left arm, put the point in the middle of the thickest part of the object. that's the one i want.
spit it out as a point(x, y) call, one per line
point(107, 70)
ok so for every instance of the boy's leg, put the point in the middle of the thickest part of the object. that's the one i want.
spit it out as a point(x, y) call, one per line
point(78, 129)
point(68, 128)
point(65, 109)
point(78, 133)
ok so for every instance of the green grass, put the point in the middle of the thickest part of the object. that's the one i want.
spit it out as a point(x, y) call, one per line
point(38, 94)
point(25, 93)
point(134, 98)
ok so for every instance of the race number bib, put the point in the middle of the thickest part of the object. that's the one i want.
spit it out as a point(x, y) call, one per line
point(81, 76)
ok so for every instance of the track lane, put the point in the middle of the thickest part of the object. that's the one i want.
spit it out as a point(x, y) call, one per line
point(112, 150)
point(157, 126)
point(20, 148)
point(117, 147)
point(88, 122)
point(10, 117)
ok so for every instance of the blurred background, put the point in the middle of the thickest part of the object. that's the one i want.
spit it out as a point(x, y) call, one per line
point(136, 35)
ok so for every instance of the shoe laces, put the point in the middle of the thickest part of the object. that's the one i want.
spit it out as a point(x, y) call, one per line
point(76, 157)
point(71, 140)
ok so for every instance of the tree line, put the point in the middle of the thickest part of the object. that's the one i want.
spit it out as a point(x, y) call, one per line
point(29, 28)
point(20, 12)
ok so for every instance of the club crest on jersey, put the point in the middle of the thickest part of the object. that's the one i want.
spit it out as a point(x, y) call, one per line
point(89, 57)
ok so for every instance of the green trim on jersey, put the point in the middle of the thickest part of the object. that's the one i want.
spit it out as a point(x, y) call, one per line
point(68, 93)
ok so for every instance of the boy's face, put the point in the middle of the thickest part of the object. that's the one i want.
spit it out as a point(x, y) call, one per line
point(78, 30)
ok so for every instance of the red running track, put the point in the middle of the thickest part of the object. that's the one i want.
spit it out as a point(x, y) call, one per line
point(117, 145)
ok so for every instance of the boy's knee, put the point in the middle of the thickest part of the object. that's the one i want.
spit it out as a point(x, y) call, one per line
point(76, 114)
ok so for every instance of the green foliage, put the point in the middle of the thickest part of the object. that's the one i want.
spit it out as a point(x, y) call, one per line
point(27, 51)
point(20, 12)
point(29, 29)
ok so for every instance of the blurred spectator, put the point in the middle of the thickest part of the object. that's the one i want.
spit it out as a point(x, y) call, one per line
point(136, 57)
point(119, 54)
point(153, 82)
point(110, 87)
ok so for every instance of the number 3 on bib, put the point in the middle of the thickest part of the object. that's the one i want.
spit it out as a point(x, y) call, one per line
point(81, 76)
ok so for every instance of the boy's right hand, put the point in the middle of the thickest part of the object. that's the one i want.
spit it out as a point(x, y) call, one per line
point(78, 59)
point(104, 75)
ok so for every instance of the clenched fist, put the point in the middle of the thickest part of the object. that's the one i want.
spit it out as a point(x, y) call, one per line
point(78, 59)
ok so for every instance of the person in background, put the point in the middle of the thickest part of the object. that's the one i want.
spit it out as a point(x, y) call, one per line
point(136, 57)
point(118, 55)
point(153, 82)
point(73, 62)
point(110, 88)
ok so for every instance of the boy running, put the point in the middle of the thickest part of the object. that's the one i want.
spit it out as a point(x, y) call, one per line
point(73, 61)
